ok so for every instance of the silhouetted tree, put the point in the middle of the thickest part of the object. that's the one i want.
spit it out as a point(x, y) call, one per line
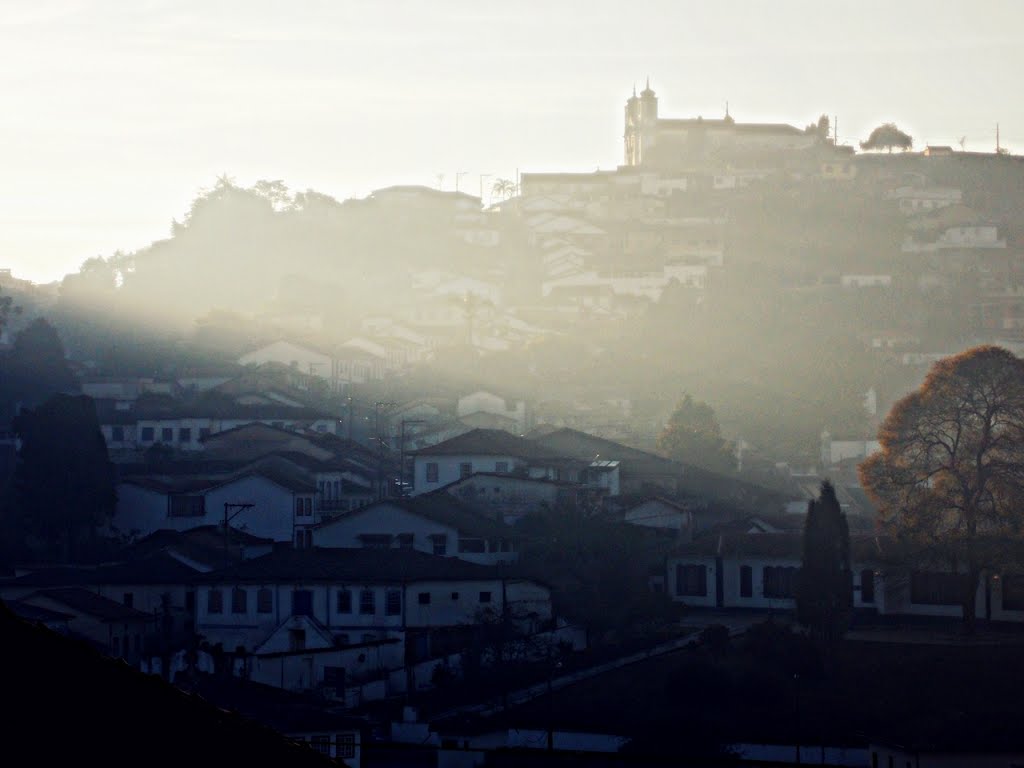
point(64, 480)
point(949, 480)
point(887, 136)
point(35, 368)
point(824, 596)
point(694, 436)
point(7, 308)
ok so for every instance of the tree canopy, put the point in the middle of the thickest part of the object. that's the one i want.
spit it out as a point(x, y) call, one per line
point(35, 368)
point(887, 136)
point(824, 598)
point(949, 480)
point(64, 480)
point(694, 436)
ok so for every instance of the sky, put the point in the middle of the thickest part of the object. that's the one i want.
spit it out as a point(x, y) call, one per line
point(116, 114)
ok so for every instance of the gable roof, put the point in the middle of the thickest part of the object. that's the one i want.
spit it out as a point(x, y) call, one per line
point(789, 546)
point(159, 568)
point(488, 442)
point(440, 507)
point(277, 470)
point(581, 445)
point(352, 565)
point(83, 601)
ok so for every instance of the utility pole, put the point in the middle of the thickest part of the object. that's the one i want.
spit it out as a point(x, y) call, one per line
point(377, 406)
point(401, 471)
point(998, 148)
point(459, 175)
point(349, 400)
point(835, 130)
point(228, 506)
point(482, 177)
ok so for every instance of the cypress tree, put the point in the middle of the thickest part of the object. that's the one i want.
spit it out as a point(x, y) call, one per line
point(824, 599)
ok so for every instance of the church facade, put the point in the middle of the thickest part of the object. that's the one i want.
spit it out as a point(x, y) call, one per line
point(651, 141)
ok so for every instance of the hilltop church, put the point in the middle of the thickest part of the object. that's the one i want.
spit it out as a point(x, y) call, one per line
point(654, 142)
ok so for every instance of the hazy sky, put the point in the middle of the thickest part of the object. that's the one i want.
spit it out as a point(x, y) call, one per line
point(114, 114)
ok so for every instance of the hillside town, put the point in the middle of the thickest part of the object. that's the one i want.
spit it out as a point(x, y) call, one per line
point(392, 497)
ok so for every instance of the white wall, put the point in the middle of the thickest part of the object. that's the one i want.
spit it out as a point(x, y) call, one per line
point(141, 511)
point(656, 514)
point(384, 518)
point(449, 469)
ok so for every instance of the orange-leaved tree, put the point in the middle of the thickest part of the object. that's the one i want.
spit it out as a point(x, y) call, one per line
point(949, 480)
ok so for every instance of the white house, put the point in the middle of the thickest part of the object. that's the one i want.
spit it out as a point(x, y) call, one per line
point(921, 199)
point(834, 452)
point(663, 515)
point(261, 500)
point(117, 629)
point(354, 596)
point(481, 402)
point(865, 281)
point(436, 524)
point(508, 498)
point(479, 450)
point(760, 570)
point(301, 358)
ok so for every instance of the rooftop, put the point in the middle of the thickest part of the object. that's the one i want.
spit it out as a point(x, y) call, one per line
point(83, 601)
point(355, 565)
point(488, 442)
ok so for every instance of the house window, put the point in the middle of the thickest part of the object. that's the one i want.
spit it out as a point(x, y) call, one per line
point(346, 748)
point(117, 434)
point(485, 597)
point(308, 503)
point(867, 586)
point(204, 432)
point(367, 602)
point(185, 435)
point(375, 540)
point(129, 599)
point(936, 588)
point(465, 469)
point(393, 602)
point(779, 581)
point(302, 602)
point(423, 598)
point(1013, 592)
point(264, 600)
point(472, 545)
point(501, 467)
point(187, 506)
point(147, 434)
point(691, 580)
point(296, 639)
point(432, 472)
point(405, 541)
point(239, 600)
point(455, 596)
point(439, 544)
point(746, 581)
point(214, 601)
point(167, 435)
point(344, 601)
point(321, 744)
